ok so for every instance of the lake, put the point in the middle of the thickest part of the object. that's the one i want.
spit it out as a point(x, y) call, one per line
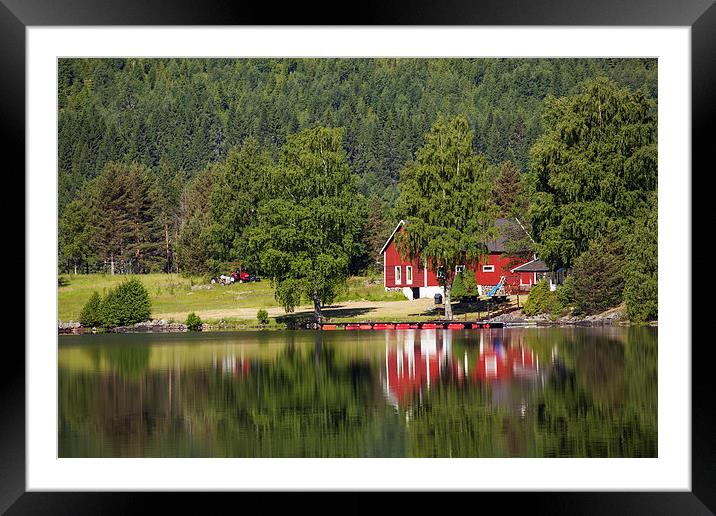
point(513, 392)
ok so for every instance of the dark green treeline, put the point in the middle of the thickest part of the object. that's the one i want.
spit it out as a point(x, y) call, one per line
point(183, 114)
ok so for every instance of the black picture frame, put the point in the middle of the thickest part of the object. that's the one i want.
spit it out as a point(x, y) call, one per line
point(699, 15)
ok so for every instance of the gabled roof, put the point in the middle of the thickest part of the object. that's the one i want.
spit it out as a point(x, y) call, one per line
point(392, 235)
point(504, 227)
point(532, 266)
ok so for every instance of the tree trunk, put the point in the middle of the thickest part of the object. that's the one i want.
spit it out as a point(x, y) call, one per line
point(75, 268)
point(111, 263)
point(166, 239)
point(317, 308)
point(448, 306)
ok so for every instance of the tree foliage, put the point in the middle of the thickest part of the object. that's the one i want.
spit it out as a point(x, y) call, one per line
point(464, 286)
point(75, 237)
point(599, 277)
point(446, 200)
point(193, 322)
point(306, 227)
point(233, 205)
point(91, 315)
point(173, 164)
point(542, 300)
point(641, 274)
point(593, 169)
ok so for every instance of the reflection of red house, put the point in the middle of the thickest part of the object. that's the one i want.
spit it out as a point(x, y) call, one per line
point(422, 359)
point(497, 363)
point(414, 364)
point(417, 280)
point(233, 365)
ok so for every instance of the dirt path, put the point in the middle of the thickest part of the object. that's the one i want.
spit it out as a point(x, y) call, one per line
point(359, 310)
point(348, 310)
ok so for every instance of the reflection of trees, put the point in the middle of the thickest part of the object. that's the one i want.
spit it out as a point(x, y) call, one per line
point(592, 408)
point(598, 410)
point(597, 398)
point(304, 403)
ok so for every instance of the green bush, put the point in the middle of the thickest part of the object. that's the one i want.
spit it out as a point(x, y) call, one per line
point(91, 315)
point(262, 316)
point(193, 322)
point(541, 300)
point(565, 293)
point(457, 291)
point(128, 303)
point(598, 278)
point(464, 286)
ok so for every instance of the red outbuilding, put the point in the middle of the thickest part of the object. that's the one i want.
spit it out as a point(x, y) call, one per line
point(417, 280)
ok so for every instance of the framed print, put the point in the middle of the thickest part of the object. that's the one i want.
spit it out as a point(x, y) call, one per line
point(427, 250)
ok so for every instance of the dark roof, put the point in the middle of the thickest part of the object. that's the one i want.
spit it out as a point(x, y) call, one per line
point(506, 228)
point(533, 266)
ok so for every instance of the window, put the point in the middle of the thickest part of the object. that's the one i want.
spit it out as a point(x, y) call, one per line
point(459, 268)
point(488, 268)
point(397, 274)
point(408, 275)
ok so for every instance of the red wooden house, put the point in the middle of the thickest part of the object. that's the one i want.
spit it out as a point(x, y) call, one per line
point(417, 280)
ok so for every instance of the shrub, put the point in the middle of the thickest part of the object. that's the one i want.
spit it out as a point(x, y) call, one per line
point(541, 300)
point(262, 316)
point(464, 286)
point(470, 284)
point(457, 292)
point(193, 322)
point(91, 315)
point(128, 303)
point(598, 278)
point(565, 293)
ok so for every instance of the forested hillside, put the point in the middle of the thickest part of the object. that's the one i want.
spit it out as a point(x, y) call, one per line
point(165, 164)
point(183, 114)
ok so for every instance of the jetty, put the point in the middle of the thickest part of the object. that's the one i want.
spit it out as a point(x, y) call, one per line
point(431, 325)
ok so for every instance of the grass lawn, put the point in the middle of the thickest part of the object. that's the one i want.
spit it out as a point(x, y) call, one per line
point(174, 296)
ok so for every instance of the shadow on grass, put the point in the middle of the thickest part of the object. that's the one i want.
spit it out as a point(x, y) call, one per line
point(482, 307)
point(295, 320)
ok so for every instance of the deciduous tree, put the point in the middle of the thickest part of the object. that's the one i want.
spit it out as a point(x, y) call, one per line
point(306, 227)
point(593, 169)
point(446, 200)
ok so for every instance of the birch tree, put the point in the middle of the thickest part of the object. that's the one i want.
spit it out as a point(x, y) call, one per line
point(306, 227)
point(446, 199)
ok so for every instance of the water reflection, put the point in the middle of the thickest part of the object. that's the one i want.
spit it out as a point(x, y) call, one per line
point(406, 393)
point(416, 360)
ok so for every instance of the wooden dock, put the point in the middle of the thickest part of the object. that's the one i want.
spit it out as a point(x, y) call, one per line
point(431, 325)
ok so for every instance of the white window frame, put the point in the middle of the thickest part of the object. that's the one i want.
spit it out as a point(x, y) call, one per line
point(408, 275)
point(398, 277)
point(488, 268)
point(459, 269)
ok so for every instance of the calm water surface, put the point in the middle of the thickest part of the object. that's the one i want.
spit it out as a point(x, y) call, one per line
point(558, 392)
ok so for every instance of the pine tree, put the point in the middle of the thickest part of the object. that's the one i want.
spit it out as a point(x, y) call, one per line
point(109, 215)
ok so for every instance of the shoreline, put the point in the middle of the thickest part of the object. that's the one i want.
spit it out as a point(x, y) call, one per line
point(155, 327)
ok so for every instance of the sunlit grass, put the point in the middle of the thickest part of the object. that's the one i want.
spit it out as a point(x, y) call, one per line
point(176, 294)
